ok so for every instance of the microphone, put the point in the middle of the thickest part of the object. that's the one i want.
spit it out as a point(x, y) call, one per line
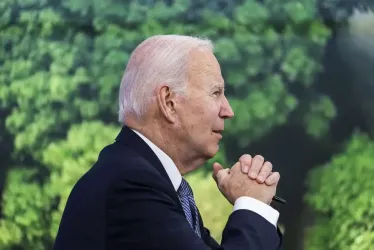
point(279, 199)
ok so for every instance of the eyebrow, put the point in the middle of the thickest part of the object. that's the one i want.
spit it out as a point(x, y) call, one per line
point(219, 86)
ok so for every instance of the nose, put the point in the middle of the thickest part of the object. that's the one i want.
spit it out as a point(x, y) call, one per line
point(226, 110)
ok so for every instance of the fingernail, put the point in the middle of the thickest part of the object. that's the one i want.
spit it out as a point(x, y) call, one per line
point(261, 178)
point(253, 174)
point(245, 169)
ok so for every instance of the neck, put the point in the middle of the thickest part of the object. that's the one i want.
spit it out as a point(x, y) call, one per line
point(163, 136)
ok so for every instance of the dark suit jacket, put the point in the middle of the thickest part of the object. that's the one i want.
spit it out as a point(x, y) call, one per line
point(126, 201)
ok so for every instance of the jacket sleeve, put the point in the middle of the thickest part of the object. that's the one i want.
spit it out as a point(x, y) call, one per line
point(142, 215)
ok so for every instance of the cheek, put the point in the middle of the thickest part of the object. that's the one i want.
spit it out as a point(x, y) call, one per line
point(211, 112)
point(196, 121)
point(200, 116)
point(205, 120)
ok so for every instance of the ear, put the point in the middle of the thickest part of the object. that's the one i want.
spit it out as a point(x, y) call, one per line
point(166, 102)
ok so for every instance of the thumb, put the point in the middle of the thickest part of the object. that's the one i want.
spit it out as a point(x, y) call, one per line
point(218, 175)
point(216, 168)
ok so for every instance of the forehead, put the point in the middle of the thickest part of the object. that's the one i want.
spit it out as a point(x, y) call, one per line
point(203, 68)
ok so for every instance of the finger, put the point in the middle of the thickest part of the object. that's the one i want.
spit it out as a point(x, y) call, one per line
point(245, 162)
point(236, 168)
point(257, 163)
point(272, 179)
point(216, 168)
point(221, 176)
point(264, 172)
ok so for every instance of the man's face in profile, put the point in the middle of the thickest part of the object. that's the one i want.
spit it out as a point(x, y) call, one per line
point(204, 107)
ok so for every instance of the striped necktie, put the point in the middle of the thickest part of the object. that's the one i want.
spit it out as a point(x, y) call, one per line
point(189, 207)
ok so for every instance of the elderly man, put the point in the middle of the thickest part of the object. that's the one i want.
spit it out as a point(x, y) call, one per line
point(172, 107)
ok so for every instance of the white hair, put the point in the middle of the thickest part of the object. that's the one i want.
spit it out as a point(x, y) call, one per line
point(161, 59)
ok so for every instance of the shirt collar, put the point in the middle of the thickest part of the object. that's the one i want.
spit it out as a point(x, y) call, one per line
point(170, 167)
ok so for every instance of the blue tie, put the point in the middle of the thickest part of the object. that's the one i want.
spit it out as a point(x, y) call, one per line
point(189, 207)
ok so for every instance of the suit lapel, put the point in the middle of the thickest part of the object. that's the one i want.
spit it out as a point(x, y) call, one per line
point(205, 234)
point(133, 141)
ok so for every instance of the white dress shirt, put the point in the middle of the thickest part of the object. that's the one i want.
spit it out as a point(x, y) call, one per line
point(249, 203)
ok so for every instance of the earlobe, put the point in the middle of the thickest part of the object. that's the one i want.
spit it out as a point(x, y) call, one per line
point(166, 103)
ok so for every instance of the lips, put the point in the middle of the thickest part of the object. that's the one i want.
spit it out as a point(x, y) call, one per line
point(218, 132)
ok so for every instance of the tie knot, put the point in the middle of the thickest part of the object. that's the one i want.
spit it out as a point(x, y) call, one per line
point(185, 189)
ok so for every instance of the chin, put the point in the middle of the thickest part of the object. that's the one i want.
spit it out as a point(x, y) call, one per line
point(212, 151)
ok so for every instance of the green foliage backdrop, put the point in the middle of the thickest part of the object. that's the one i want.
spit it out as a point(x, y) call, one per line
point(342, 192)
point(61, 66)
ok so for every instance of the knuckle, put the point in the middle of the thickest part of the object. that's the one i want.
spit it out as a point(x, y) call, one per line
point(245, 157)
point(268, 165)
point(276, 176)
point(276, 173)
point(259, 158)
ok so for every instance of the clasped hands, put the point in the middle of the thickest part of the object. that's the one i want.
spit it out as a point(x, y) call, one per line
point(252, 177)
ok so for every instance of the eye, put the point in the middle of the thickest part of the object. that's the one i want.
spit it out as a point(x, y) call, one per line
point(217, 93)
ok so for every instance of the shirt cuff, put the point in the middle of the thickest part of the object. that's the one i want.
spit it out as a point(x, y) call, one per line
point(259, 207)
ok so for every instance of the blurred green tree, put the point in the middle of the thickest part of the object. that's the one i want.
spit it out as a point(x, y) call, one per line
point(341, 194)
